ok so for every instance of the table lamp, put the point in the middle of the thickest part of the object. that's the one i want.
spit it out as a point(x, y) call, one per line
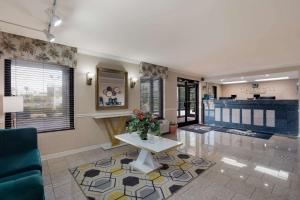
point(13, 104)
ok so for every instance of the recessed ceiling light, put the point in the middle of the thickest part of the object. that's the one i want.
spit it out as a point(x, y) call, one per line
point(222, 80)
point(267, 75)
point(234, 82)
point(242, 77)
point(273, 79)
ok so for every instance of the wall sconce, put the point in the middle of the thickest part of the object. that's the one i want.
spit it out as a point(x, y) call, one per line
point(89, 78)
point(132, 82)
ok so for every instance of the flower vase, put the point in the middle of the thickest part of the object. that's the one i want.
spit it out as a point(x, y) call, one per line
point(144, 134)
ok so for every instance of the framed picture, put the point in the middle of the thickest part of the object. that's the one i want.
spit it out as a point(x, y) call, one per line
point(111, 89)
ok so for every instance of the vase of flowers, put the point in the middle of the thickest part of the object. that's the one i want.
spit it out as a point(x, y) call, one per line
point(141, 123)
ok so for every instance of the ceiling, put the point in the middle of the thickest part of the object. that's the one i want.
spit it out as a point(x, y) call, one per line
point(202, 37)
point(257, 78)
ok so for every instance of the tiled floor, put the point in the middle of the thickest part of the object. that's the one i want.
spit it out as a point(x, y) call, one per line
point(246, 168)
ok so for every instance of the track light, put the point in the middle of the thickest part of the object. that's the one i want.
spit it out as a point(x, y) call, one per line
point(56, 21)
point(50, 37)
point(53, 22)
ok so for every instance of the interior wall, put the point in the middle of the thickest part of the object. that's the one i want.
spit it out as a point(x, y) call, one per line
point(207, 89)
point(88, 131)
point(283, 89)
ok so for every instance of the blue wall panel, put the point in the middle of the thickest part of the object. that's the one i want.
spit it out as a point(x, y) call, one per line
point(286, 114)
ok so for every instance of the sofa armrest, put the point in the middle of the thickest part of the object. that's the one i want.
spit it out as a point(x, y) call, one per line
point(17, 140)
point(25, 186)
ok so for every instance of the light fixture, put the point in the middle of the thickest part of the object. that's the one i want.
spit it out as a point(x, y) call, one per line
point(132, 82)
point(267, 75)
point(56, 21)
point(242, 77)
point(234, 82)
point(50, 37)
point(13, 104)
point(273, 79)
point(222, 80)
point(89, 78)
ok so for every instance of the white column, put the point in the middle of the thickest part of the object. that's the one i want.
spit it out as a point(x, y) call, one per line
point(298, 102)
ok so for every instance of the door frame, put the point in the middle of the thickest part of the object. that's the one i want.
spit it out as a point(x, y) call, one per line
point(186, 82)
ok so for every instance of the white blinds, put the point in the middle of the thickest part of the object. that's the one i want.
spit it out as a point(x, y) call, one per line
point(48, 94)
point(152, 96)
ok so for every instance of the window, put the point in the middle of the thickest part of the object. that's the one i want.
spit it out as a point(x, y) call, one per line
point(152, 96)
point(47, 91)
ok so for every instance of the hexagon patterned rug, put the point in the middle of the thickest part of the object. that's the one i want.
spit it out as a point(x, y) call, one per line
point(113, 178)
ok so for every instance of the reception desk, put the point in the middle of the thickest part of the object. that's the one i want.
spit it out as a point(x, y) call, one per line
point(269, 116)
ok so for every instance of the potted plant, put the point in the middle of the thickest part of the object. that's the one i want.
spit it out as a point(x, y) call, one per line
point(173, 127)
point(141, 123)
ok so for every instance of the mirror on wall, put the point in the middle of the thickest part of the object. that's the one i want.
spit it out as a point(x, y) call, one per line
point(111, 89)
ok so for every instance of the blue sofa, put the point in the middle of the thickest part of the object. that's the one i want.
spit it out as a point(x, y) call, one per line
point(20, 165)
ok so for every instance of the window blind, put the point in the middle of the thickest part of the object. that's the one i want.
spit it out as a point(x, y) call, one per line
point(48, 92)
point(152, 96)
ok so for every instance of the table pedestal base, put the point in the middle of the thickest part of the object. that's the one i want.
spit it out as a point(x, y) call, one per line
point(145, 162)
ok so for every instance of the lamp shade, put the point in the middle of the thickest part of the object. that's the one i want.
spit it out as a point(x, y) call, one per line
point(13, 104)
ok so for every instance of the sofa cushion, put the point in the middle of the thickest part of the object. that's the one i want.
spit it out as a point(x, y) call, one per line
point(25, 186)
point(20, 162)
point(17, 140)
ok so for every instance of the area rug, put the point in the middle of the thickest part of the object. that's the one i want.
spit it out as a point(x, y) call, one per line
point(199, 128)
point(247, 133)
point(112, 178)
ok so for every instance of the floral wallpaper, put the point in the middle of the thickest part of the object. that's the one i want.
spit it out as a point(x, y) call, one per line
point(151, 70)
point(20, 47)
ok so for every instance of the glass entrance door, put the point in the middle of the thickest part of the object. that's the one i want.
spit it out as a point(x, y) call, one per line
point(187, 101)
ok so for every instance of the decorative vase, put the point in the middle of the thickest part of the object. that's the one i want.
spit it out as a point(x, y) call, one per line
point(144, 134)
point(173, 128)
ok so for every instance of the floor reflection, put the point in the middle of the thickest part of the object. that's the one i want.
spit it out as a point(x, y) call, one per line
point(274, 157)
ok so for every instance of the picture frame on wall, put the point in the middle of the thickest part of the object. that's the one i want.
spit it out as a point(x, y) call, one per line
point(111, 89)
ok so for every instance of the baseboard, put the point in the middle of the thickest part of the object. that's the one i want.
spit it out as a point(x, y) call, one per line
point(108, 146)
point(73, 151)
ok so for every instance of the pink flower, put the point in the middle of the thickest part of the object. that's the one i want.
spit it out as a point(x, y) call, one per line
point(140, 116)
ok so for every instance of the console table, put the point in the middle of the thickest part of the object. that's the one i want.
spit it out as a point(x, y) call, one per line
point(112, 130)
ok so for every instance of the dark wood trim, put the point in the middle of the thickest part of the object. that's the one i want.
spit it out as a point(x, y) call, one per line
point(7, 89)
point(71, 98)
point(184, 83)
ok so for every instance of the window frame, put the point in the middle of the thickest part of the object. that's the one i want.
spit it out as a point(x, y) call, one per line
point(161, 92)
point(8, 92)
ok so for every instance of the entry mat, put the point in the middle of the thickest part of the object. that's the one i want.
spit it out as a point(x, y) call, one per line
point(112, 178)
point(199, 128)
